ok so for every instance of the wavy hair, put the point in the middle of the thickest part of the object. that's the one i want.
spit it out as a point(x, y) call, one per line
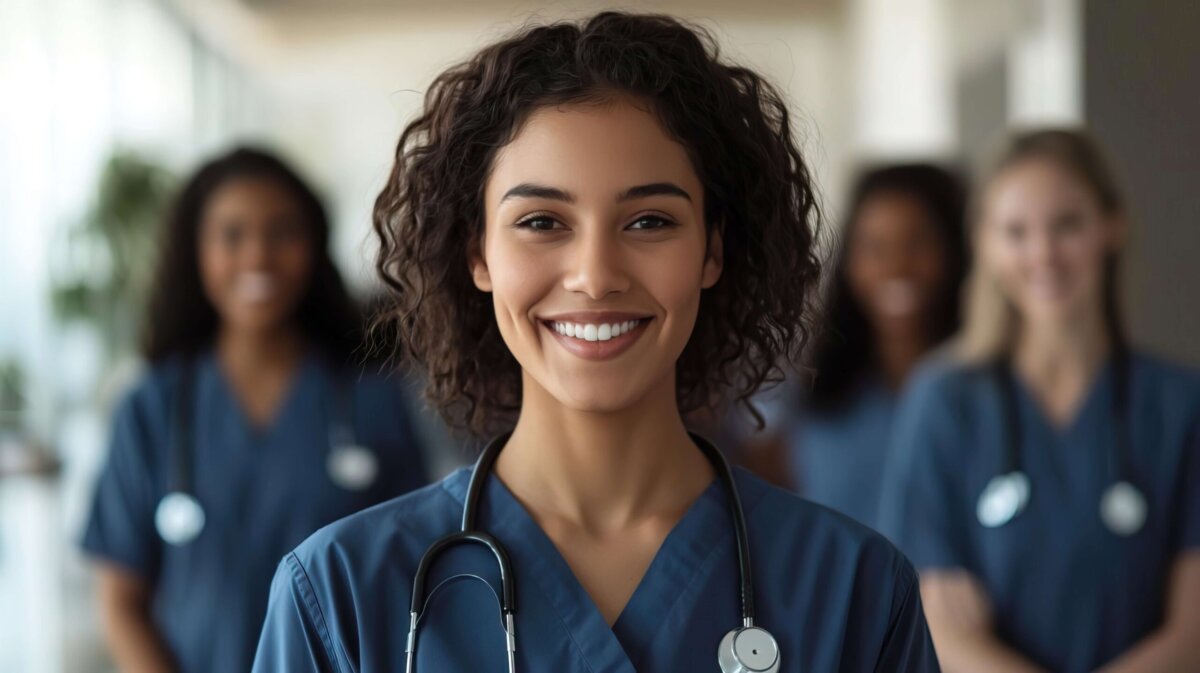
point(737, 131)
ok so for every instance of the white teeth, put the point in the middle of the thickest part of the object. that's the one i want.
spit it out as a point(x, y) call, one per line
point(255, 286)
point(595, 332)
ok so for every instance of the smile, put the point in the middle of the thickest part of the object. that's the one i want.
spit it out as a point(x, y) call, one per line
point(594, 332)
point(596, 340)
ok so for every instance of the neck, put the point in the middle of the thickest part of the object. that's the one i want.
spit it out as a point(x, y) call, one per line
point(603, 470)
point(259, 350)
point(1045, 350)
point(897, 352)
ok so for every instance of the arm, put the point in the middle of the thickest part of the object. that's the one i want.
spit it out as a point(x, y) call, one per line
point(1173, 647)
point(959, 615)
point(124, 602)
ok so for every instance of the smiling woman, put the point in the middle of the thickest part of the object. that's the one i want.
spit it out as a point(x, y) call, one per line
point(591, 229)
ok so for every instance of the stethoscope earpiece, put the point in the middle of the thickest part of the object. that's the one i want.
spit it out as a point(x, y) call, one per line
point(749, 649)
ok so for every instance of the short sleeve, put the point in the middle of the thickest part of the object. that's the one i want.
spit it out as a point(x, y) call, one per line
point(907, 646)
point(921, 500)
point(295, 637)
point(120, 527)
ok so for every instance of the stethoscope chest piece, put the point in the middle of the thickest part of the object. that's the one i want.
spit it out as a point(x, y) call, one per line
point(1123, 508)
point(179, 518)
point(749, 649)
point(1004, 497)
point(352, 467)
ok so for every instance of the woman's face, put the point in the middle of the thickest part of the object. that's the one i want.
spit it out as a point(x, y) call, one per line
point(896, 262)
point(1045, 239)
point(595, 252)
point(255, 253)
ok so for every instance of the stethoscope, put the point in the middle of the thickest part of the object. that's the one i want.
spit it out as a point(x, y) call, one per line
point(1122, 505)
point(746, 649)
point(179, 517)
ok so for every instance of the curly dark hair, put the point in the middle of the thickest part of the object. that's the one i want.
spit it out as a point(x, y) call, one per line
point(735, 126)
point(182, 321)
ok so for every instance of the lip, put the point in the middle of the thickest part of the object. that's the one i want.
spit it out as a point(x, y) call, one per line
point(596, 350)
point(594, 316)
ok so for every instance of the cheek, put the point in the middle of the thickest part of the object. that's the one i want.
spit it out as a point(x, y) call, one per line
point(671, 277)
point(217, 269)
point(862, 275)
point(1001, 256)
point(929, 268)
point(520, 278)
point(295, 260)
point(1084, 253)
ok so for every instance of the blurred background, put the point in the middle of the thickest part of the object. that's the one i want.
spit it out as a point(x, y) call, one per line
point(106, 104)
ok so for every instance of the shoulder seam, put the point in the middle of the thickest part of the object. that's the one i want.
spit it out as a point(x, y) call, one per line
point(313, 607)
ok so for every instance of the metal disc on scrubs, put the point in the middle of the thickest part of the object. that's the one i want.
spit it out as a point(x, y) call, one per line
point(352, 467)
point(1004, 497)
point(1123, 508)
point(748, 650)
point(179, 518)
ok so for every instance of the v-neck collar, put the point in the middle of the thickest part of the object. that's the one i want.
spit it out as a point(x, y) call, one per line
point(255, 433)
point(688, 553)
point(1098, 395)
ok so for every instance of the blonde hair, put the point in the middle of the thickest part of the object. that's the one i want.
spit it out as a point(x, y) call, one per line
point(990, 319)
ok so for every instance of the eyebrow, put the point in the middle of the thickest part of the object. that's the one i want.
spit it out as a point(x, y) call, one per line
point(527, 190)
point(654, 189)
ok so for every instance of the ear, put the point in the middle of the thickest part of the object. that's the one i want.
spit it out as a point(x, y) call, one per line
point(479, 270)
point(714, 261)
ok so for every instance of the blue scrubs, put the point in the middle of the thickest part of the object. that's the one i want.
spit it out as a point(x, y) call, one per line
point(836, 595)
point(263, 490)
point(837, 457)
point(1067, 593)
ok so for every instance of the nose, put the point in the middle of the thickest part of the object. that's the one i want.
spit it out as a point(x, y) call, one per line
point(1043, 247)
point(596, 266)
point(257, 251)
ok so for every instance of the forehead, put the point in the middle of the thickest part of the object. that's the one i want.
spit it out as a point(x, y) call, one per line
point(257, 193)
point(1037, 185)
point(591, 148)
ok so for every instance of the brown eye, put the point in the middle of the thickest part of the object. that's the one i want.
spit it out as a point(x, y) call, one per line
point(649, 223)
point(538, 223)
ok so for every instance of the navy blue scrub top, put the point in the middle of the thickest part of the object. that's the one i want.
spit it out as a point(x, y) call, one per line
point(1067, 593)
point(263, 490)
point(837, 457)
point(837, 596)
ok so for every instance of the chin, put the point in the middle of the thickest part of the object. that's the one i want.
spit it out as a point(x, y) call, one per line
point(596, 402)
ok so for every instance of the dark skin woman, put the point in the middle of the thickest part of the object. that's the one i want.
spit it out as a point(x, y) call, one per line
point(247, 412)
point(892, 298)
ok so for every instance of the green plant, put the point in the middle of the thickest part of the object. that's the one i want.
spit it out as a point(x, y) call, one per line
point(107, 259)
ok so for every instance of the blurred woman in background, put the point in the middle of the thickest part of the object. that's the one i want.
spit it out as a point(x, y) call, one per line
point(893, 296)
point(1047, 481)
point(252, 429)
